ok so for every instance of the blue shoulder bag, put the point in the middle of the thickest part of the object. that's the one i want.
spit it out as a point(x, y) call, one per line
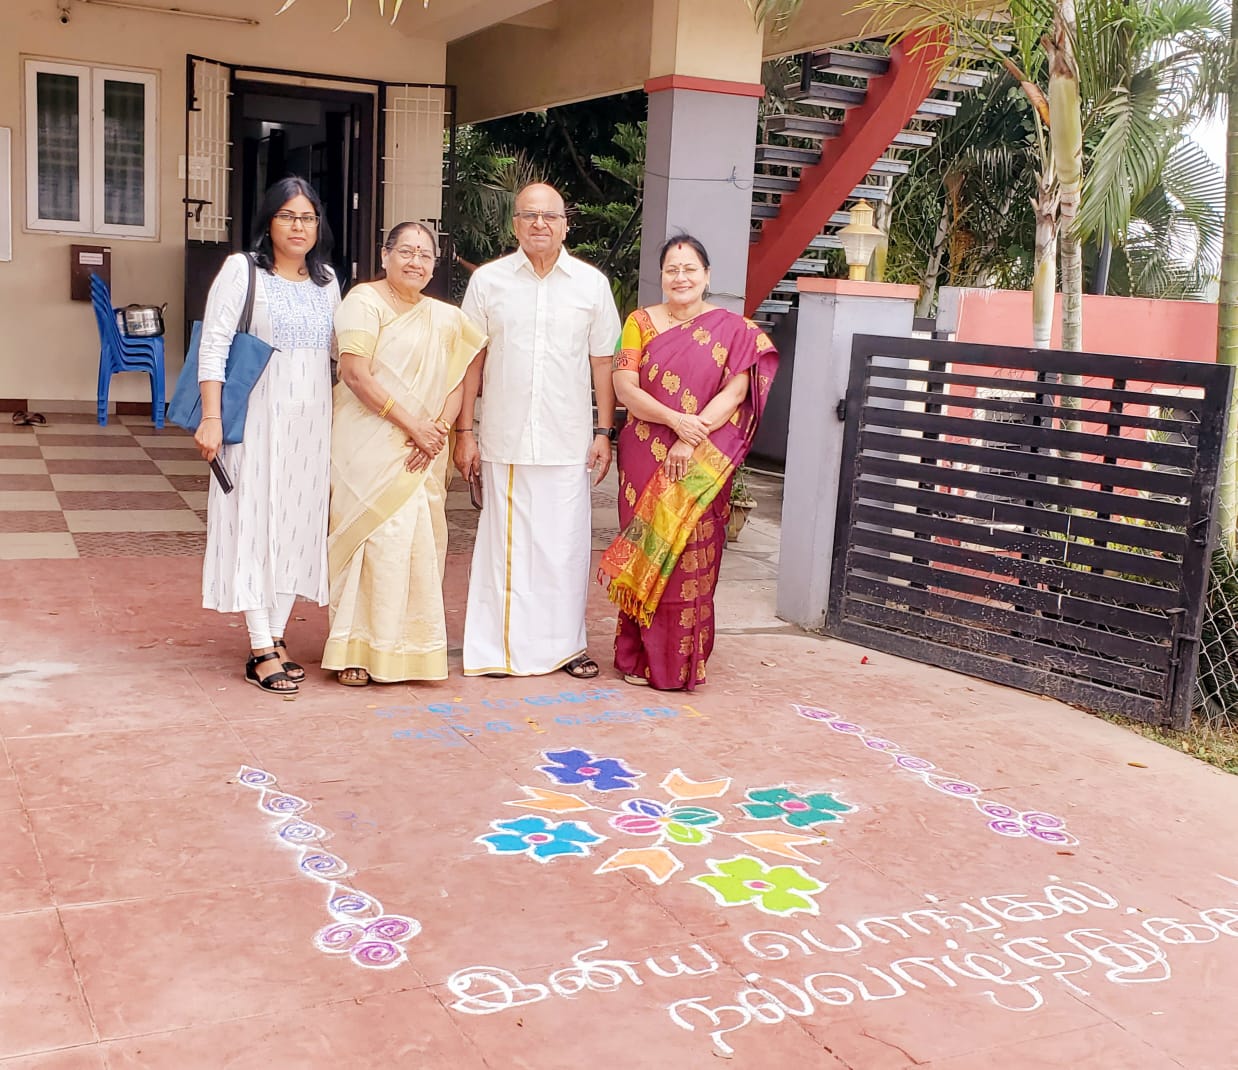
point(247, 360)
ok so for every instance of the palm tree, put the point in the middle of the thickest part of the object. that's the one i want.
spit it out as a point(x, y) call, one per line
point(488, 177)
point(958, 216)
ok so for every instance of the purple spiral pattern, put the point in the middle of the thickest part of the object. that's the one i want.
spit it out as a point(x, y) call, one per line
point(1004, 820)
point(1007, 828)
point(395, 928)
point(1048, 835)
point(255, 778)
point(283, 805)
point(377, 954)
point(339, 938)
point(880, 744)
point(353, 905)
point(299, 832)
point(323, 866)
point(960, 788)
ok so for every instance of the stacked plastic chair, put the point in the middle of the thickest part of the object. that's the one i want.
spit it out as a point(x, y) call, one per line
point(120, 353)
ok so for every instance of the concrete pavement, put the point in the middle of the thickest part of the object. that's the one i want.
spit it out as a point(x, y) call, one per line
point(825, 858)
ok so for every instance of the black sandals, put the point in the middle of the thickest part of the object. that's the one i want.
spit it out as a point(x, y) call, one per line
point(582, 667)
point(269, 683)
point(296, 673)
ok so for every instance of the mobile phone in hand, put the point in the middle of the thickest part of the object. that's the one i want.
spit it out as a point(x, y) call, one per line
point(225, 484)
point(475, 489)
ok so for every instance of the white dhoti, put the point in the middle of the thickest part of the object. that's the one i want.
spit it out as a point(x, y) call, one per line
point(530, 575)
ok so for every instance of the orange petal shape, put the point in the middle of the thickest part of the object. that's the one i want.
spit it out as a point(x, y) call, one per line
point(780, 843)
point(658, 862)
point(679, 786)
point(553, 802)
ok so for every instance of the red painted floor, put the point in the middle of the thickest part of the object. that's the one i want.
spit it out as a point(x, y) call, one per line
point(815, 861)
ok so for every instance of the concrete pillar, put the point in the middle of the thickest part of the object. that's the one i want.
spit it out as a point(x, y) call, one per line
point(831, 313)
point(704, 84)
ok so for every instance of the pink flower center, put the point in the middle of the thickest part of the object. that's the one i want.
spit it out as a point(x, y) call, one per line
point(758, 886)
point(538, 837)
point(588, 770)
point(794, 805)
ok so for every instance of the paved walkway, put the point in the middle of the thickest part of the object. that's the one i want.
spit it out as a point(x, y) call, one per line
point(825, 858)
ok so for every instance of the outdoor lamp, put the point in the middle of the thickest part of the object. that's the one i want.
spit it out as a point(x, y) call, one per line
point(860, 238)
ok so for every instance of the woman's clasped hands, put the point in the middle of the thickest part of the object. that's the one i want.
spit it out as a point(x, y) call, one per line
point(690, 429)
point(677, 459)
point(427, 438)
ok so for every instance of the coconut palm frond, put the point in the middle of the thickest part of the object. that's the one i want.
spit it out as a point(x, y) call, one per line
point(774, 14)
point(1126, 163)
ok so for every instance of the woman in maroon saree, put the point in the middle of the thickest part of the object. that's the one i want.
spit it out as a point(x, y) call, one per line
point(694, 378)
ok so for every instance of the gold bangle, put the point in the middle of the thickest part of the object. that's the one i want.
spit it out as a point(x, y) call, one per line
point(443, 424)
point(382, 413)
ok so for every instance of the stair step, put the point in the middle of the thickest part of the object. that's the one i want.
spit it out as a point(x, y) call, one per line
point(914, 139)
point(964, 42)
point(764, 211)
point(770, 306)
point(888, 166)
point(827, 95)
point(807, 266)
point(786, 286)
point(869, 192)
point(813, 126)
point(774, 184)
point(855, 64)
point(957, 78)
point(932, 108)
point(826, 241)
point(785, 154)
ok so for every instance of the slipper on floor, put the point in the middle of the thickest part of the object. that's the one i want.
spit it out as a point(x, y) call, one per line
point(355, 681)
point(28, 419)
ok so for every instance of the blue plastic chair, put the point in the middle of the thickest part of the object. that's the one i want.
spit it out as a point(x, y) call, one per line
point(120, 353)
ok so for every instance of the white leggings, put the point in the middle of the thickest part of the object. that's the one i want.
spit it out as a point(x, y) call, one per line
point(263, 624)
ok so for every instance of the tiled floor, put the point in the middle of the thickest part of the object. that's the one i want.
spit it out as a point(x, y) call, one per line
point(73, 489)
point(70, 488)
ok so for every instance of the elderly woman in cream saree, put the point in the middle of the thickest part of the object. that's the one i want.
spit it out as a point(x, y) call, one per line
point(402, 362)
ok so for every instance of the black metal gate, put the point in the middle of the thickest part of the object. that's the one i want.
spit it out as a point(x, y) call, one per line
point(1050, 536)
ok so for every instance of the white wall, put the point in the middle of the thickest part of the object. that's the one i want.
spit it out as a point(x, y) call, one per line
point(48, 344)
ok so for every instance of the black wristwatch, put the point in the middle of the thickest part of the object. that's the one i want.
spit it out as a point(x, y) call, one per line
point(609, 432)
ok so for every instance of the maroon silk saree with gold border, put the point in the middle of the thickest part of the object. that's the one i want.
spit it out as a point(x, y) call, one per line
point(662, 569)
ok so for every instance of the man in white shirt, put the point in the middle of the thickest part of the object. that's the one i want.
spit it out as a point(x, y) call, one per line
point(553, 325)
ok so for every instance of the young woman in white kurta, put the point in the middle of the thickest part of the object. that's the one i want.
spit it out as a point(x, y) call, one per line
point(266, 540)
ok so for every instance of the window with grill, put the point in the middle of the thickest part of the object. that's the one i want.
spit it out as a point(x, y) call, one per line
point(90, 150)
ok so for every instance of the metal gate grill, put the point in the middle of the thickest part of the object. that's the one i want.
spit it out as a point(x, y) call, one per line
point(996, 521)
point(417, 121)
point(207, 152)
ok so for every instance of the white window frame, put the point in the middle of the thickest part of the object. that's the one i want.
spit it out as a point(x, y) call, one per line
point(90, 208)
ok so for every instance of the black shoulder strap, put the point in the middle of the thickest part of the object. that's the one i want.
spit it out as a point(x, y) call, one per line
point(247, 314)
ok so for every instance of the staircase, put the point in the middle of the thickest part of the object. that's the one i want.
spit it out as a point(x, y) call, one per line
point(875, 109)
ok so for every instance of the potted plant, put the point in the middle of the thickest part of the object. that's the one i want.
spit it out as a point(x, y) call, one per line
point(742, 503)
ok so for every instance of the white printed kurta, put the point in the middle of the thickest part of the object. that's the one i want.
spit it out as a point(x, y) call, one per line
point(269, 535)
